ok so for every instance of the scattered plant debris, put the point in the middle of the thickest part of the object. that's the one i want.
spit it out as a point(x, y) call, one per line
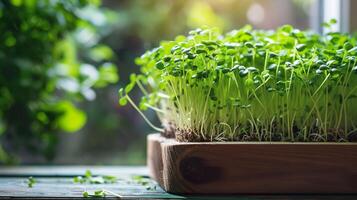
point(88, 178)
point(31, 182)
point(144, 181)
point(97, 193)
point(100, 193)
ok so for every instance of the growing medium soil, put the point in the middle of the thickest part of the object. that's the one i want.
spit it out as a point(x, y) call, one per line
point(169, 130)
point(189, 135)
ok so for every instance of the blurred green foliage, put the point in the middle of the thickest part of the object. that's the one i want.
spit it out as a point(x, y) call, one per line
point(79, 30)
point(50, 59)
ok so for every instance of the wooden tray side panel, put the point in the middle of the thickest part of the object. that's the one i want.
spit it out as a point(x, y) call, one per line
point(219, 168)
point(154, 157)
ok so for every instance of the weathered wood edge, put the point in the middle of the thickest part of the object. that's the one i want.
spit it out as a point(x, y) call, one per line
point(154, 157)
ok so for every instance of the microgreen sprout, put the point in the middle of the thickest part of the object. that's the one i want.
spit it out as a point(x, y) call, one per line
point(144, 181)
point(97, 193)
point(251, 85)
point(100, 193)
point(88, 178)
point(31, 182)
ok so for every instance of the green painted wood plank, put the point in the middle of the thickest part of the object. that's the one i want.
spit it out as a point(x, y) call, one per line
point(65, 188)
point(70, 171)
point(56, 182)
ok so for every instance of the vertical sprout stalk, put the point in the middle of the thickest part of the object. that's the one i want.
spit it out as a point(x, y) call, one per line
point(253, 85)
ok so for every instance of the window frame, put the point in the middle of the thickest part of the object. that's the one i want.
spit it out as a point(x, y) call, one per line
point(325, 10)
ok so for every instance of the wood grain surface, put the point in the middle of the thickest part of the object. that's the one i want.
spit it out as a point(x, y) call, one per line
point(259, 168)
point(154, 157)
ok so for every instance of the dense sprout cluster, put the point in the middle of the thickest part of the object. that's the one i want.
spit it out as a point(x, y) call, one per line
point(252, 85)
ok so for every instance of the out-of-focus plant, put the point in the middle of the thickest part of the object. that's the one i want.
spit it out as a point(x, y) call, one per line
point(155, 20)
point(50, 59)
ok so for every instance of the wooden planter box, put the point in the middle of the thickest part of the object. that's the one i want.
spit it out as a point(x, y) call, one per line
point(252, 167)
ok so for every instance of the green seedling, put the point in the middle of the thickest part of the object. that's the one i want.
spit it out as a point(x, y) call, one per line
point(251, 85)
point(31, 182)
point(89, 178)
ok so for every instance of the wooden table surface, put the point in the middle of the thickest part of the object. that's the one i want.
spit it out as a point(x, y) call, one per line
point(56, 182)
